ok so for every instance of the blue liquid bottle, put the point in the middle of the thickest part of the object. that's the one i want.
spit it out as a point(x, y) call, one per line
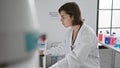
point(107, 38)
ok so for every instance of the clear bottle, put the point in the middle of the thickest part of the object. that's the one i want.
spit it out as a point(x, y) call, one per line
point(107, 37)
point(100, 36)
point(113, 39)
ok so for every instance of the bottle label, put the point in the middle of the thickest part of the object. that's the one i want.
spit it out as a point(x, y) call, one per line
point(112, 41)
point(107, 40)
point(100, 37)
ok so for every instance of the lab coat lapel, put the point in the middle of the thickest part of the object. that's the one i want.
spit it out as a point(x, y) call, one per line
point(69, 40)
point(79, 34)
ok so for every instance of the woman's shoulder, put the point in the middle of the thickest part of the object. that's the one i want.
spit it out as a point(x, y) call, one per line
point(87, 33)
point(87, 29)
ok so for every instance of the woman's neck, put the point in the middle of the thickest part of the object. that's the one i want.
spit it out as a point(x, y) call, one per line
point(76, 28)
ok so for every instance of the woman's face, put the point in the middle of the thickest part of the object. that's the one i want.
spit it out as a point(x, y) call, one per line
point(66, 19)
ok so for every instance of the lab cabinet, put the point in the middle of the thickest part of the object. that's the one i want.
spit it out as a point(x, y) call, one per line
point(110, 57)
point(117, 60)
point(106, 58)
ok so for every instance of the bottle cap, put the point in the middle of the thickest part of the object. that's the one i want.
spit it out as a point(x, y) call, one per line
point(100, 31)
point(114, 33)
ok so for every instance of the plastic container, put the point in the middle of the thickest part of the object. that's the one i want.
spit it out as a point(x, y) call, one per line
point(100, 36)
point(113, 39)
point(107, 38)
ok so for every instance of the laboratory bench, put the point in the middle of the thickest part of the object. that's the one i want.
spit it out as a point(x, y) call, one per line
point(105, 46)
point(109, 56)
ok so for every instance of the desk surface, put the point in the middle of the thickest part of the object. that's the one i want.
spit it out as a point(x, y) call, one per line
point(109, 46)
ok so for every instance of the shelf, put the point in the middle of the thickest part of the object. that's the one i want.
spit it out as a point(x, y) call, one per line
point(109, 46)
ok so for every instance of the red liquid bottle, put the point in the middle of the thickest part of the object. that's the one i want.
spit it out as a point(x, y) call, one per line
point(100, 36)
point(113, 39)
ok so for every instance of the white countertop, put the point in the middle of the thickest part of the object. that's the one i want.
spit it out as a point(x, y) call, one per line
point(109, 46)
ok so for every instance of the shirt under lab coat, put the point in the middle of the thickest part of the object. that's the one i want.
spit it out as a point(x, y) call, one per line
point(84, 55)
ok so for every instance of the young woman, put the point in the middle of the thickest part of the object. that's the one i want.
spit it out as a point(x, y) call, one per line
point(80, 45)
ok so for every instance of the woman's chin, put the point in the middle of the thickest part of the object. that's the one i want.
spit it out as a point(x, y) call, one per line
point(66, 26)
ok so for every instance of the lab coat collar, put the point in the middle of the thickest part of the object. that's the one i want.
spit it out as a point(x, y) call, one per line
point(79, 33)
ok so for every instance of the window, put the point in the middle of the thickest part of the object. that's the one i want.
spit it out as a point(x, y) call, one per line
point(109, 16)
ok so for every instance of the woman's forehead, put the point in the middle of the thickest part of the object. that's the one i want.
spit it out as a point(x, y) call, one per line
point(63, 13)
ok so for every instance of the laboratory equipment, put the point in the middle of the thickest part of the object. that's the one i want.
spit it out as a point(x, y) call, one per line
point(19, 31)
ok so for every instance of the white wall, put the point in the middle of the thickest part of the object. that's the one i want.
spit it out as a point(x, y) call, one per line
point(52, 26)
point(89, 12)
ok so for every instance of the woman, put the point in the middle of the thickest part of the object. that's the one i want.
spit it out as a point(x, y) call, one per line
point(80, 45)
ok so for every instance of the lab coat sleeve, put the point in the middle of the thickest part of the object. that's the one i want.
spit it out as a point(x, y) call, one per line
point(79, 54)
point(56, 51)
point(60, 64)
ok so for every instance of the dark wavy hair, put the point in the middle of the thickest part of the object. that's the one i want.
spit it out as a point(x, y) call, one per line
point(72, 9)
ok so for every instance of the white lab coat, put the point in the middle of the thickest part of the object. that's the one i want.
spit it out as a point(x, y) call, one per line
point(84, 55)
